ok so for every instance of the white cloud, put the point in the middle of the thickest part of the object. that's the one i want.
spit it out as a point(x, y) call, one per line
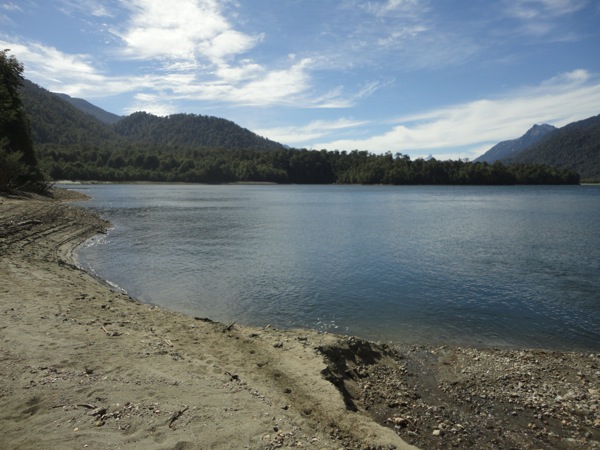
point(71, 74)
point(189, 30)
point(153, 104)
point(49, 63)
point(394, 7)
point(283, 86)
point(89, 7)
point(531, 9)
point(318, 129)
point(466, 128)
point(544, 18)
point(11, 7)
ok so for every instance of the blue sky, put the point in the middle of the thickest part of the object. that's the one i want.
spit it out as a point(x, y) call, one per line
point(448, 78)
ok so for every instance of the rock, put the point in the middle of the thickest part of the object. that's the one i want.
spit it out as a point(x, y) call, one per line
point(437, 432)
point(400, 422)
point(100, 411)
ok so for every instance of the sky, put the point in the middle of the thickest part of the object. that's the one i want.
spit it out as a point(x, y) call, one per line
point(447, 78)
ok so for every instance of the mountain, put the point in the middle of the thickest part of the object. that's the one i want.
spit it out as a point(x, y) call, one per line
point(85, 106)
point(56, 121)
point(191, 130)
point(61, 120)
point(510, 149)
point(575, 146)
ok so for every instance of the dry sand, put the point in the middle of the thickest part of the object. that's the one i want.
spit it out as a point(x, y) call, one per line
point(84, 366)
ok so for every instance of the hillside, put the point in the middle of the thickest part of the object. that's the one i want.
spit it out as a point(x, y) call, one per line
point(55, 121)
point(75, 145)
point(191, 131)
point(85, 106)
point(61, 120)
point(511, 148)
point(575, 146)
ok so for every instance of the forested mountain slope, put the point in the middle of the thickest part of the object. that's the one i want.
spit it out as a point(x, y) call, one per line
point(85, 106)
point(75, 145)
point(56, 121)
point(511, 148)
point(191, 130)
point(575, 146)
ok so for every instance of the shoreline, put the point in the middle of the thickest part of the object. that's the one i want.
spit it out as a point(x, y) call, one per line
point(86, 366)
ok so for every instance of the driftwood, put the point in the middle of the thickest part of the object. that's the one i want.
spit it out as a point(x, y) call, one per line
point(29, 222)
point(111, 333)
point(176, 415)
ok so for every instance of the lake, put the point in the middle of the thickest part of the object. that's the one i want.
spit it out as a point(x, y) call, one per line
point(513, 266)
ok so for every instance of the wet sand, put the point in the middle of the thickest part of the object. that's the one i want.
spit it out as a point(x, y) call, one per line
point(84, 366)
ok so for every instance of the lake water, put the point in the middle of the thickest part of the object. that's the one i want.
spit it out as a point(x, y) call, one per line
point(487, 266)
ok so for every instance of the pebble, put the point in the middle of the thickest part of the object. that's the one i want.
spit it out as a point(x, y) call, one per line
point(400, 421)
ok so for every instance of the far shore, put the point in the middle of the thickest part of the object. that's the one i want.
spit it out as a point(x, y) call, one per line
point(85, 366)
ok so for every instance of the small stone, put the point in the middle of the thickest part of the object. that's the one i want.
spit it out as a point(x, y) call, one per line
point(437, 432)
point(100, 411)
point(597, 423)
point(275, 428)
point(400, 421)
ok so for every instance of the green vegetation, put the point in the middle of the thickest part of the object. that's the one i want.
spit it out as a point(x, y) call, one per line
point(137, 163)
point(191, 148)
point(575, 146)
point(18, 162)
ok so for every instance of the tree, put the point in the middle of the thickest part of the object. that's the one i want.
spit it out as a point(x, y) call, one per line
point(15, 132)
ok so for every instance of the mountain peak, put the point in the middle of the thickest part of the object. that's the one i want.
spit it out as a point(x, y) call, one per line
point(85, 106)
point(513, 147)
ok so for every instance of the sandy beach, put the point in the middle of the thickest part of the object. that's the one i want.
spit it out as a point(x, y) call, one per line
point(85, 366)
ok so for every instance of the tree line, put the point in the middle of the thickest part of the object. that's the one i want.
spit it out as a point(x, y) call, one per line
point(73, 145)
point(18, 161)
point(218, 165)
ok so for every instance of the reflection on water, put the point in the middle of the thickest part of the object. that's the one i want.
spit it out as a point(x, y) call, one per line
point(499, 266)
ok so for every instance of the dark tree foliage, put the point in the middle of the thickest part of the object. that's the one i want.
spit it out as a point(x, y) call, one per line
point(203, 149)
point(190, 130)
point(54, 120)
point(14, 125)
point(575, 146)
point(144, 163)
point(18, 162)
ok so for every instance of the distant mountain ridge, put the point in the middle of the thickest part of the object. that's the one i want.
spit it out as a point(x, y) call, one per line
point(575, 146)
point(56, 121)
point(85, 106)
point(62, 120)
point(510, 149)
point(191, 130)
point(77, 145)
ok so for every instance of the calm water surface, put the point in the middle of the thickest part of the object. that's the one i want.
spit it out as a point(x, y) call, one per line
point(491, 266)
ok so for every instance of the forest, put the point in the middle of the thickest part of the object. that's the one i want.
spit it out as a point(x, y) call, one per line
point(575, 146)
point(73, 145)
point(138, 163)
point(18, 162)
